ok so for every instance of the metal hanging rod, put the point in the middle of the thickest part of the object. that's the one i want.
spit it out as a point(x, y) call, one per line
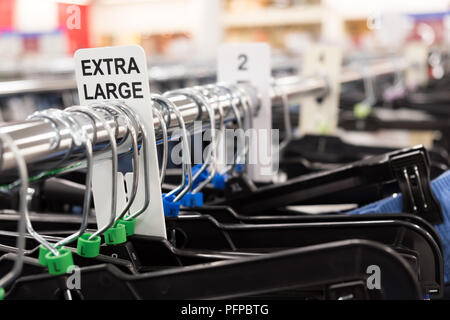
point(157, 73)
point(34, 138)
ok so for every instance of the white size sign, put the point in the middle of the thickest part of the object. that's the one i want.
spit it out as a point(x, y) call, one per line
point(250, 63)
point(120, 74)
point(321, 117)
point(416, 57)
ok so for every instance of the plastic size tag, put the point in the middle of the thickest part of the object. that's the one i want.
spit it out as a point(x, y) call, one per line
point(250, 63)
point(321, 117)
point(120, 73)
point(416, 56)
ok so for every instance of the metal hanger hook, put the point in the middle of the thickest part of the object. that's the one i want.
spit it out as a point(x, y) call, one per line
point(112, 139)
point(182, 189)
point(82, 134)
point(133, 129)
point(134, 117)
point(23, 207)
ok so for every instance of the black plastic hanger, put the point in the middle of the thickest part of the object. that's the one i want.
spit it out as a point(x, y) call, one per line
point(408, 167)
point(339, 269)
point(201, 239)
point(202, 231)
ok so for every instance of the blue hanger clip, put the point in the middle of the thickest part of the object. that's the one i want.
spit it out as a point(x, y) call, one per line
point(192, 200)
point(171, 207)
point(219, 180)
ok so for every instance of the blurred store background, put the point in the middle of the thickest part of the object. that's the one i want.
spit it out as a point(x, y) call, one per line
point(39, 37)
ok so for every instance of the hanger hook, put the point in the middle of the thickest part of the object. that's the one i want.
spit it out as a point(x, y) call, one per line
point(217, 91)
point(200, 100)
point(133, 129)
point(186, 156)
point(44, 115)
point(134, 117)
point(247, 107)
point(112, 140)
point(286, 115)
point(163, 126)
point(369, 87)
point(240, 154)
point(212, 156)
point(76, 138)
point(83, 140)
point(23, 207)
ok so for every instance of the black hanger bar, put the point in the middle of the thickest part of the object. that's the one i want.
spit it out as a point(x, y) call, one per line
point(409, 167)
point(202, 231)
point(325, 265)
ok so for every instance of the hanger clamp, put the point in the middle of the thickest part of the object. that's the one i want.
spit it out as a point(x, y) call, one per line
point(411, 170)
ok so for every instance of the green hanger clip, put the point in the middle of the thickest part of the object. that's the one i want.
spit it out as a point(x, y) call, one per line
point(88, 248)
point(42, 255)
point(58, 264)
point(116, 235)
point(42, 252)
point(129, 225)
point(362, 110)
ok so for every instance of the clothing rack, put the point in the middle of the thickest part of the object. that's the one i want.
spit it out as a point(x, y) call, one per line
point(158, 72)
point(34, 138)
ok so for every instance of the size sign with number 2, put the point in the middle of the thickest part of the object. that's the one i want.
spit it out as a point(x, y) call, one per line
point(250, 63)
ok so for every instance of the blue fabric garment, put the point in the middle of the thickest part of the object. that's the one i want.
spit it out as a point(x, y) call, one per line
point(441, 190)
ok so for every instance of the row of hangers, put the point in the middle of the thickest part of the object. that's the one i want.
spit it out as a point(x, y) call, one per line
point(228, 237)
